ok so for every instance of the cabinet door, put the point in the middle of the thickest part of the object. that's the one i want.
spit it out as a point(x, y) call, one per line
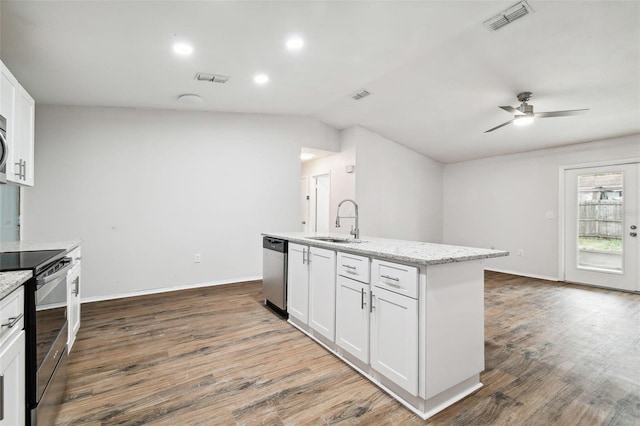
point(298, 282)
point(12, 368)
point(352, 318)
point(394, 338)
point(8, 99)
point(322, 291)
point(73, 302)
point(25, 127)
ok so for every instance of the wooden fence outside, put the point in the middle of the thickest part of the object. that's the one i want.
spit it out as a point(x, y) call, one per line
point(601, 219)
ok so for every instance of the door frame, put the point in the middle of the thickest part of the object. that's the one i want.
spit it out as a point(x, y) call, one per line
point(561, 201)
point(313, 207)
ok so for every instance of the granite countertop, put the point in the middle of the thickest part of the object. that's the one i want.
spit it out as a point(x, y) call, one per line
point(400, 250)
point(39, 245)
point(9, 281)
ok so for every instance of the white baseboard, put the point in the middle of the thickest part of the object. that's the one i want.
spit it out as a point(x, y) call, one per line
point(167, 289)
point(540, 277)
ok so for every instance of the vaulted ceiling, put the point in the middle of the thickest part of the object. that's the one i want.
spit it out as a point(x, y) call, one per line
point(437, 75)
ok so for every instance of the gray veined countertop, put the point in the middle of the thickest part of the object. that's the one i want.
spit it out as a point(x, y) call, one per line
point(39, 245)
point(417, 252)
point(9, 281)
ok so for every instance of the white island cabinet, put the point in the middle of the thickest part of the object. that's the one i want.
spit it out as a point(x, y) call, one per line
point(394, 323)
point(409, 316)
point(73, 297)
point(353, 305)
point(12, 359)
point(311, 288)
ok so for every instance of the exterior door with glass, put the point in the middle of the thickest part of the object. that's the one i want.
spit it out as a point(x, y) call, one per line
point(601, 226)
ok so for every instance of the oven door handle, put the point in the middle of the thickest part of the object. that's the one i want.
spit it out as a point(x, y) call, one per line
point(44, 280)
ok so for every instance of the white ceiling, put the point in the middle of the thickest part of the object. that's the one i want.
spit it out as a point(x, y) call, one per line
point(436, 73)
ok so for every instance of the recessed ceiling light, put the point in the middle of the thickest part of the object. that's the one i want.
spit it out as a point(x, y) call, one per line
point(306, 156)
point(190, 99)
point(295, 43)
point(261, 79)
point(183, 49)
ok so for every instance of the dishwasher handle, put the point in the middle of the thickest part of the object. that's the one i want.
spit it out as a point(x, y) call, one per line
point(274, 244)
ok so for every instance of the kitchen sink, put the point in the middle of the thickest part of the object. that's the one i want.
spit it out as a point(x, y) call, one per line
point(336, 240)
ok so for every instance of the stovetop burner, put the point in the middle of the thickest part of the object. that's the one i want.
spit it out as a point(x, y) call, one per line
point(28, 260)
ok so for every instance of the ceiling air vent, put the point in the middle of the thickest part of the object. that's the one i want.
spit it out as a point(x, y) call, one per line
point(360, 94)
point(212, 78)
point(506, 17)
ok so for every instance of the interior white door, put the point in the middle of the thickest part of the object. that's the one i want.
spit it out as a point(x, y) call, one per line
point(322, 203)
point(304, 204)
point(601, 226)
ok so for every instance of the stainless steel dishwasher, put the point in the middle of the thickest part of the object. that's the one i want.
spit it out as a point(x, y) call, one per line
point(274, 274)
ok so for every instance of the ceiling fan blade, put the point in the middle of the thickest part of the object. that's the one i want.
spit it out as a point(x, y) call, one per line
point(497, 127)
point(560, 113)
point(512, 110)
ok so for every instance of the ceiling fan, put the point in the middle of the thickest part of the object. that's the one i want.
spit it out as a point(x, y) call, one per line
point(524, 114)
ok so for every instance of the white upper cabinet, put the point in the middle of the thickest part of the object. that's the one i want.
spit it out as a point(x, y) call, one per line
point(22, 153)
point(8, 100)
point(18, 108)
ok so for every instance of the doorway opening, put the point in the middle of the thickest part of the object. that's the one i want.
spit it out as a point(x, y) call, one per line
point(315, 190)
point(600, 244)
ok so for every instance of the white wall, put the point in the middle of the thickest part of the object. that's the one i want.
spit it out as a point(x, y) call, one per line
point(399, 191)
point(343, 184)
point(147, 190)
point(502, 202)
point(1, 1)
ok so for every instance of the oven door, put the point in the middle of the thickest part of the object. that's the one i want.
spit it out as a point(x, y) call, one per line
point(50, 323)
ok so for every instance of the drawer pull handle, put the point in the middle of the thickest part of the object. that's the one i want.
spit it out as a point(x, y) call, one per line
point(349, 266)
point(13, 321)
point(390, 277)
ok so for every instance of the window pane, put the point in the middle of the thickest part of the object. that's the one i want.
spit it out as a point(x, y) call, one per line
point(600, 214)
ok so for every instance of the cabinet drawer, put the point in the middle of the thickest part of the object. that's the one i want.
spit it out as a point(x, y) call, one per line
point(354, 267)
point(401, 279)
point(11, 314)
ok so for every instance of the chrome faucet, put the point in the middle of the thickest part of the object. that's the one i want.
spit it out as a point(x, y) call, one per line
point(354, 231)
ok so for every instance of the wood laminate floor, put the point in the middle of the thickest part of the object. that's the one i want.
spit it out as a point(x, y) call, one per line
point(555, 355)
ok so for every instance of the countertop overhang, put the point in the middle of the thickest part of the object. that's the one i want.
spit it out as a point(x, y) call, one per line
point(39, 245)
point(11, 280)
point(416, 252)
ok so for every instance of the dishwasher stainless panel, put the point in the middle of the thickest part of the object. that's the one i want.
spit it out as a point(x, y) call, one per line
point(274, 273)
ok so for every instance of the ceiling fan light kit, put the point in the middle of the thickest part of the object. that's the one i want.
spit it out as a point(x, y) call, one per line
point(523, 120)
point(524, 114)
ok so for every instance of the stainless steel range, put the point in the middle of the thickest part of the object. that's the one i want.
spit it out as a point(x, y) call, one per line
point(46, 329)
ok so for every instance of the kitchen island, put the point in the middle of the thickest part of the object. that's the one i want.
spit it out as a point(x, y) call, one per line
point(407, 315)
